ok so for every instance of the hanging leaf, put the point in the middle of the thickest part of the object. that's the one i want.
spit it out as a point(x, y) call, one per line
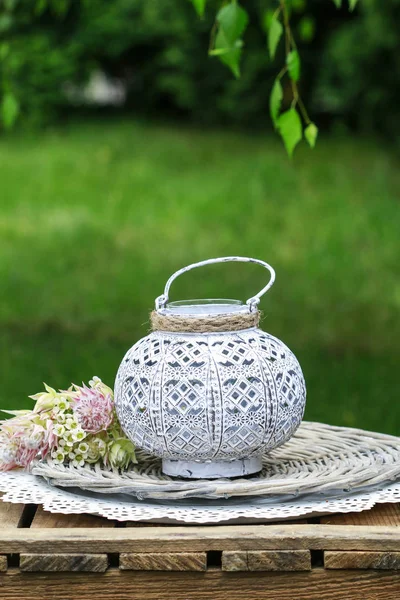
point(311, 134)
point(200, 6)
point(352, 4)
point(289, 126)
point(9, 110)
point(275, 32)
point(228, 54)
point(267, 19)
point(233, 19)
point(338, 3)
point(275, 101)
point(293, 65)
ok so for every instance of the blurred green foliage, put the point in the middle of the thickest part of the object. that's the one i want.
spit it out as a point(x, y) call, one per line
point(94, 218)
point(359, 76)
point(350, 64)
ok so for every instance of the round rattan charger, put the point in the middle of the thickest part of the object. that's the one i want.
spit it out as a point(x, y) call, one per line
point(319, 458)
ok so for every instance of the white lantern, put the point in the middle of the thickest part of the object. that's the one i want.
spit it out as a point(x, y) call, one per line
point(208, 391)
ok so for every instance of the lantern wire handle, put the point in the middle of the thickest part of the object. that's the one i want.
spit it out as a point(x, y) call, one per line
point(252, 302)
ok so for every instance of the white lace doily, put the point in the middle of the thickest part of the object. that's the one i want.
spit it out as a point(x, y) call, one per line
point(22, 487)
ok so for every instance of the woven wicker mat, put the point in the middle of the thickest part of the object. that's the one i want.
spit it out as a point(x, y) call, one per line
point(319, 458)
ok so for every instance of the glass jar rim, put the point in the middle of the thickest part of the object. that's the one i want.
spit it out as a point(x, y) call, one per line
point(204, 307)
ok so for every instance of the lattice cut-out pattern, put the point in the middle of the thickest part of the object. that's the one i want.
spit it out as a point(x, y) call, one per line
point(220, 396)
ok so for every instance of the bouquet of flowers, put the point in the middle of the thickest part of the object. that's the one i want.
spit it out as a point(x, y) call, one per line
point(77, 426)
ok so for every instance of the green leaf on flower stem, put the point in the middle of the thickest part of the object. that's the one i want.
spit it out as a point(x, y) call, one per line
point(275, 32)
point(293, 65)
point(290, 128)
point(200, 6)
point(275, 101)
point(233, 20)
point(338, 3)
point(9, 110)
point(352, 4)
point(311, 134)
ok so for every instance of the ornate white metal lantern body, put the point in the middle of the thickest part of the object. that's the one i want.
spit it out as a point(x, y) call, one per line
point(210, 403)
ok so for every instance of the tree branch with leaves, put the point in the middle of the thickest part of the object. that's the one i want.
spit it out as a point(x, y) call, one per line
point(292, 122)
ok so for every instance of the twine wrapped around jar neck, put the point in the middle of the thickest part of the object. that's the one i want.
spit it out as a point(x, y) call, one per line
point(204, 324)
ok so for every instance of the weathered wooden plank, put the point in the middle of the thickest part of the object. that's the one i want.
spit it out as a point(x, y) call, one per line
point(267, 560)
point(234, 560)
point(95, 563)
point(11, 517)
point(10, 514)
point(279, 560)
point(380, 514)
point(47, 562)
point(45, 519)
point(215, 584)
point(200, 539)
point(362, 560)
point(163, 561)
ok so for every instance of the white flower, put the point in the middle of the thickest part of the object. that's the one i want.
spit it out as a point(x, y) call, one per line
point(83, 448)
point(62, 404)
point(65, 446)
point(68, 438)
point(71, 455)
point(71, 423)
point(78, 461)
point(59, 430)
point(58, 456)
point(78, 435)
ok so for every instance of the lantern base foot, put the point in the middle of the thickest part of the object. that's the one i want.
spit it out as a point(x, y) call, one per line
point(211, 470)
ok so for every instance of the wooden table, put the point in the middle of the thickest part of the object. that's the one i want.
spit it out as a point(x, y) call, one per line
point(81, 557)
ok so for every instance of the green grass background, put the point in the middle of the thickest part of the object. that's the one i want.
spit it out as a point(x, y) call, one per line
point(95, 217)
